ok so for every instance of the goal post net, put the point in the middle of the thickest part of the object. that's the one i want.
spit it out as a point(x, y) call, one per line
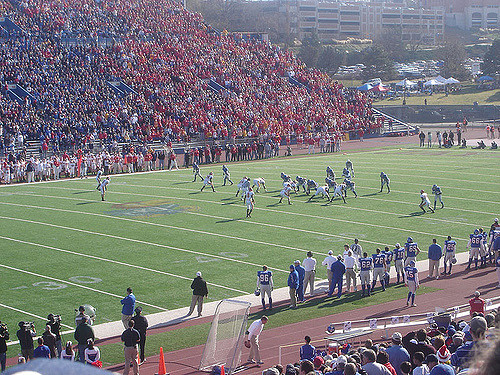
point(226, 336)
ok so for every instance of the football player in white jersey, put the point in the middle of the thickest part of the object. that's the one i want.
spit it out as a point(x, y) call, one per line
point(103, 186)
point(323, 190)
point(249, 201)
point(286, 193)
point(425, 202)
point(259, 182)
point(339, 191)
point(209, 180)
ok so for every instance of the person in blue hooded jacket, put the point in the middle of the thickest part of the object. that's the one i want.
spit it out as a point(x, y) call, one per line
point(293, 284)
point(338, 270)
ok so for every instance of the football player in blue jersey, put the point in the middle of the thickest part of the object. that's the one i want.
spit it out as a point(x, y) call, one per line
point(483, 249)
point(399, 255)
point(330, 173)
point(331, 183)
point(348, 165)
point(378, 269)
point(346, 174)
point(474, 245)
point(450, 247)
point(227, 175)
point(411, 281)
point(384, 180)
point(365, 266)
point(311, 185)
point(438, 193)
point(389, 255)
point(285, 177)
point(265, 286)
point(196, 172)
point(411, 251)
point(301, 181)
point(350, 185)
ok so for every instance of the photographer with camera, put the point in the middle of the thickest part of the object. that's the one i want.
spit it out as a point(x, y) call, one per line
point(54, 321)
point(4, 336)
point(25, 336)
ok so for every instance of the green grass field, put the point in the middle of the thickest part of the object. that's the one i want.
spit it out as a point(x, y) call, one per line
point(62, 247)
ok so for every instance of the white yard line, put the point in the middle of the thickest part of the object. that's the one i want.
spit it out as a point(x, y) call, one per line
point(136, 241)
point(77, 285)
point(108, 260)
point(30, 314)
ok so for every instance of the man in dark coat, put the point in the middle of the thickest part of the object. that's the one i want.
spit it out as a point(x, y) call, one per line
point(200, 290)
point(141, 325)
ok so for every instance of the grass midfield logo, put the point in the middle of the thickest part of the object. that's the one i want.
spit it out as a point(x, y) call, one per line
point(148, 208)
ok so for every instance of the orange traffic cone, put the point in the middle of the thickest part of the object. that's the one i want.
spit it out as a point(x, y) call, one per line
point(161, 366)
point(222, 371)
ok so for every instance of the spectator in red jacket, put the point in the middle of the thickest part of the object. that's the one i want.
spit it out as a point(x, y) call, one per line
point(476, 304)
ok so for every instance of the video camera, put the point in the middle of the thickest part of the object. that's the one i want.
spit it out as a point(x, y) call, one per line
point(54, 318)
point(27, 325)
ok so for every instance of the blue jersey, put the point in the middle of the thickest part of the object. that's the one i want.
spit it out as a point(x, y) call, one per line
point(450, 246)
point(497, 262)
point(475, 240)
point(399, 253)
point(436, 190)
point(365, 264)
point(225, 170)
point(388, 256)
point(285, 177)
point(384, 177)
point(264, 277)
point(350, 184)
point(411, 249)
point(411, 273)
point(346, 173)
point(329, 171)
point(330, 182)
point(312, 184)
point(300, 180)
point(378, 260)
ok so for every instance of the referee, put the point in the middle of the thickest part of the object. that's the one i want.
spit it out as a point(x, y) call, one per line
point(130, 338)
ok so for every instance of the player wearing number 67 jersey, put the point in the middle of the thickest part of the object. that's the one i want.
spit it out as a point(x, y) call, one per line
point(249, 201)
point(411, 281)
point(450, 248)
point(265, 285)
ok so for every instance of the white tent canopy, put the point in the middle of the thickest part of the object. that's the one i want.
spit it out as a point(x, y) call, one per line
point(440, 79)
point(406, 83)
point(452, 80)
point(433, 82)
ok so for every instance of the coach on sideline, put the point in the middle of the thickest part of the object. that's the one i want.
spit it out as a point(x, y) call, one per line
point(128, 307)
point(200, 291)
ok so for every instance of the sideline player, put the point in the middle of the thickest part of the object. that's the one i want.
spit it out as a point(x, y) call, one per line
point(474, 245)
point(425, 202)
point(103, 186)
point(249, 200)
point(196, 171)
point(265, 286)
point(286, 193)
point(259, 181)
point(399, 255)
point(449, 256)
point(411, 251)
point(365, 266)
point(323, 190)
point(438, 195)
point(209, 180)
point(339, 191)
point(98, 178)
point(384, 180)
point(348, 165)
point(378, 269)
point(227, 175)
point(411, 281)
point(389, 255)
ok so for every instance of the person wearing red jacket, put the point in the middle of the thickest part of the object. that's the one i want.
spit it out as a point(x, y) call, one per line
point(476, 304)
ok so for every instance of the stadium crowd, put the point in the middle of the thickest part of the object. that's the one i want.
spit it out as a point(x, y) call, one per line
point(167, 55)
point(460, 347)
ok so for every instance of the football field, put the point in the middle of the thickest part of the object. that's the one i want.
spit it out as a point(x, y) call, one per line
point(63, 247)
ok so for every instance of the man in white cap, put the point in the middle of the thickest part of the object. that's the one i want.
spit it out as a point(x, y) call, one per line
point(329, 260)
point(200, 290)
point(397, 354)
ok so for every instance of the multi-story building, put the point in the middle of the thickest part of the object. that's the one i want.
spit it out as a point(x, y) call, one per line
point(469, 14)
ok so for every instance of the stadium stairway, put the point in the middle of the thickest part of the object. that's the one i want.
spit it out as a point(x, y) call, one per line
point(398, 127)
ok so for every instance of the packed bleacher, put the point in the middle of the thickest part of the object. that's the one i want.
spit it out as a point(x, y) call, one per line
point(167, 56)
point(468, 346)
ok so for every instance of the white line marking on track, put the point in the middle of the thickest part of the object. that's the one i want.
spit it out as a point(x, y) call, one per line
point(103, 259)
point(30, 314)
point(77, 285)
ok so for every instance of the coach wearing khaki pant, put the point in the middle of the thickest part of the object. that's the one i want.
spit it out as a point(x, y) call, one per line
point(434, 255)
point(200, 291)
point(131, 338)
point(350, 274)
